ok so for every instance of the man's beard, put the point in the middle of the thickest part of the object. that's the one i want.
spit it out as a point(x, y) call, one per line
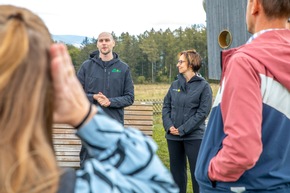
point(106, 53)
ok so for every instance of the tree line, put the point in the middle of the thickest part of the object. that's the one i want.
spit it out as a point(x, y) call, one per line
point(152, 56)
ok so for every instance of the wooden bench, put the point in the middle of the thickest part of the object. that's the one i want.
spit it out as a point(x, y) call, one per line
point(67, 145)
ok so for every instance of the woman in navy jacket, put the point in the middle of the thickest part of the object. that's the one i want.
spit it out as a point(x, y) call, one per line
point(185, 109)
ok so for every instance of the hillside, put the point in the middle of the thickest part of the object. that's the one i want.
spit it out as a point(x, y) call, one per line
point(69, 39)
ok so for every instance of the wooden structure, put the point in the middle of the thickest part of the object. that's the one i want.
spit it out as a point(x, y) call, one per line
point(226, 28)
point(67, 145)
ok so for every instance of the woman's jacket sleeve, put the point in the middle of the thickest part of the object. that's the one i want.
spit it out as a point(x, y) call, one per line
point(122, 160)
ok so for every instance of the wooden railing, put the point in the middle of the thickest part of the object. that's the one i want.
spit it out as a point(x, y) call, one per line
point(67, 145)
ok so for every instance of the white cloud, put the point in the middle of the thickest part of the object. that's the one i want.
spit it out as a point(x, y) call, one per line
point(90, 17)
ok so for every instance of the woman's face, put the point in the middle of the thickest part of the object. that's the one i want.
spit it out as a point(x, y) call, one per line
point(182, 65)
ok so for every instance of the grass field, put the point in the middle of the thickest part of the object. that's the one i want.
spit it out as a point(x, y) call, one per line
point(158, 91)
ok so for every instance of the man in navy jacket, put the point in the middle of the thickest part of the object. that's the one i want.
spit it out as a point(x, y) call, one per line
point(107, 81)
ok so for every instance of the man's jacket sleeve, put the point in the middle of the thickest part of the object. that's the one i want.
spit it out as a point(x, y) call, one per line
point(241, 108)
point(81, 76)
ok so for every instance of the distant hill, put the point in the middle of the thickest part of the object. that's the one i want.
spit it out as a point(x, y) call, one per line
point(69, 39)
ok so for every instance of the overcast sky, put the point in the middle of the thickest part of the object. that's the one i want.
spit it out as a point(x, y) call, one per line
point(90, 17)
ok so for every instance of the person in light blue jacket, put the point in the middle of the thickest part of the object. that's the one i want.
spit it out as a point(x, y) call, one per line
point(38, 87)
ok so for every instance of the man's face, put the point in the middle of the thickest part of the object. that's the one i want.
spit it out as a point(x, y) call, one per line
point(105, 44)
point(288, 24)
point(249, 17)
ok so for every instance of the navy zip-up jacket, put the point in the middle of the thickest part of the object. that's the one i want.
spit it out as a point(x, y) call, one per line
point(113, 80)
point(186, 106)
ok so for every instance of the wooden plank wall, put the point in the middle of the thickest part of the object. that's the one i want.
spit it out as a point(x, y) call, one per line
point(140, 116)
point(224, 15)
point(67, 145)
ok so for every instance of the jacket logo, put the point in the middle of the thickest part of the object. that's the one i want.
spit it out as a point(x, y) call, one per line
point(116, 70)
point(176, 90)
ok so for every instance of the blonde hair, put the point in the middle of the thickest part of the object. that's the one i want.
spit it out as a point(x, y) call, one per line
point(28, 163)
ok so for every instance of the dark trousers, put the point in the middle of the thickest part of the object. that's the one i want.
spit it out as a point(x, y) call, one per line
point(179, 152)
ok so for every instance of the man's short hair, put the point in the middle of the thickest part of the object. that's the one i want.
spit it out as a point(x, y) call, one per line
point(276, 8)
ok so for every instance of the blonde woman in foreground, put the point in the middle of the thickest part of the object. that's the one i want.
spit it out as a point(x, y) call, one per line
point(38, 87)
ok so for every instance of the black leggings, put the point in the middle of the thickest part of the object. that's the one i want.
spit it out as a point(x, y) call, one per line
point(178, 152)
